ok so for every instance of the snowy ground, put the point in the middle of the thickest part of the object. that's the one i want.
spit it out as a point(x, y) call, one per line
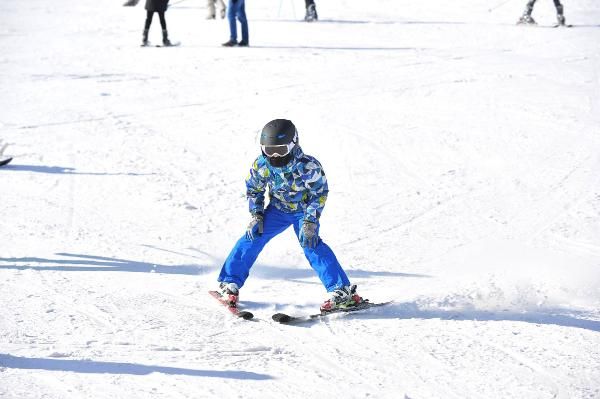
point(463, 155)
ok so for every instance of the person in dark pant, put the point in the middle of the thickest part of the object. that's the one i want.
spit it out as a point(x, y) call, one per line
point(526, 18)
point(237, 9)
point(160, 7)
point(311, 11)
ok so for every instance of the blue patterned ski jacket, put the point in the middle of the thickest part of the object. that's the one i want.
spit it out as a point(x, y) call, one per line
point(301, 185)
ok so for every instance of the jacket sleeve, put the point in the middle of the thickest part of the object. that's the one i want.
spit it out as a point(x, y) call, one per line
point(255, 188)
point(316, 184)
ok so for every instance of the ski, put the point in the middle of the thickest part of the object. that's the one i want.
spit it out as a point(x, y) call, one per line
point(173, 44)
point(234, 310)
point(4, 160)
point(283, 318)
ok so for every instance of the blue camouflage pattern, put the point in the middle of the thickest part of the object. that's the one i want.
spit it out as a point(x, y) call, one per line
point(301, 185)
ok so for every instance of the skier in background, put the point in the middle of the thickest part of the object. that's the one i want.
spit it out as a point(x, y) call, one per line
point(160, 7)
point(212, 11)
point(311, 11)
point(237, 9)
point(297, 191)
point(526, 18)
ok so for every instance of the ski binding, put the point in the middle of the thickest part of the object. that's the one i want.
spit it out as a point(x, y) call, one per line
point(234, 310)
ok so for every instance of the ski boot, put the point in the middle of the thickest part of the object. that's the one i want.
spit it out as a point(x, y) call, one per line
point(341, 298)
point(311, 13)
point(526, 19)
point(166, 41)
point(229, 292)
point(560, 19)
point(145, 41)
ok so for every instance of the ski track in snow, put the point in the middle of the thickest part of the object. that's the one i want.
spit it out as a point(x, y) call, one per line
point(462, 157)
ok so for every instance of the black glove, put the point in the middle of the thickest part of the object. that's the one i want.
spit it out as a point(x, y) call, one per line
point(308, 234)
point(255, 227)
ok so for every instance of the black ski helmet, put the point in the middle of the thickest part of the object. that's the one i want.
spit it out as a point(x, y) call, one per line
point(277, 140)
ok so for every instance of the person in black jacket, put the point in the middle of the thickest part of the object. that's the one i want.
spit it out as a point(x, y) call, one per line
point(160, 7)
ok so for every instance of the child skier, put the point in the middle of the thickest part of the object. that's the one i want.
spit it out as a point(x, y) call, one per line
point(297, 191)
point(526, 18)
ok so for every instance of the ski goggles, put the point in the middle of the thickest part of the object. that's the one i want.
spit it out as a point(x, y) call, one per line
point(277, 150)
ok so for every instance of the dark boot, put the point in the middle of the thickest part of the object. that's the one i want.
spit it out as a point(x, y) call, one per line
point(166, 41)
point(560, 18)
point(311, 13)
point(526, 18)
point(145, 38)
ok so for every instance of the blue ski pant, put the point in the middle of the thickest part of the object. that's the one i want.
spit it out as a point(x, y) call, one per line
point(237, 9)
point(243, 255)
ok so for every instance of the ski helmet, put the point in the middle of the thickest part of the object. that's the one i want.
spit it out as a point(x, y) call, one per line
point(277, 140)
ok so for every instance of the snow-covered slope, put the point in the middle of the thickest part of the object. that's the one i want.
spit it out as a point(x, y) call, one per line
point(463, 157)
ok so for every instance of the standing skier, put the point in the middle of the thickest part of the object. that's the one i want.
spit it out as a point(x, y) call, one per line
point(311, 11)
point(297, 191)
point(212, 10)
point(237, 9)
point(160, 7)
point(526, 18)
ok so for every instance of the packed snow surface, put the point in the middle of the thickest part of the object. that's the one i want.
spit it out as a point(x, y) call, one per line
point(463, 160)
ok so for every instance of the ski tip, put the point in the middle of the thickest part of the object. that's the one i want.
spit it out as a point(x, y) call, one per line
point(281, 318)
point(5, 161)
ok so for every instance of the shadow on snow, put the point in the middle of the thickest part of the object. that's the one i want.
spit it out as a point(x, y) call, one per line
point(286, 273)
point(90, 263)
point(63, 170)
point(95, 367)
point(410, 310)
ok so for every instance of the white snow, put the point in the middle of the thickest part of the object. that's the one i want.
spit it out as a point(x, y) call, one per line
point(463, 157)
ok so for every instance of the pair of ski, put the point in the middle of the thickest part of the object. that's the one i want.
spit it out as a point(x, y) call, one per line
point(283, 318)
point(535, 25)
point(173, 44)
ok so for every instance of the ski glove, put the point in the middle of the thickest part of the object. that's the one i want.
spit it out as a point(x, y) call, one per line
point(308, 234)
point(255, 227)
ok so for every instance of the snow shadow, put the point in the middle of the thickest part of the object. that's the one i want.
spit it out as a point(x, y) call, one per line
point(96, 367)
point(411, 310)
point(365, 21)
point(63, 170)
point(91, 263)
point(348, 48)
point(278, 273)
